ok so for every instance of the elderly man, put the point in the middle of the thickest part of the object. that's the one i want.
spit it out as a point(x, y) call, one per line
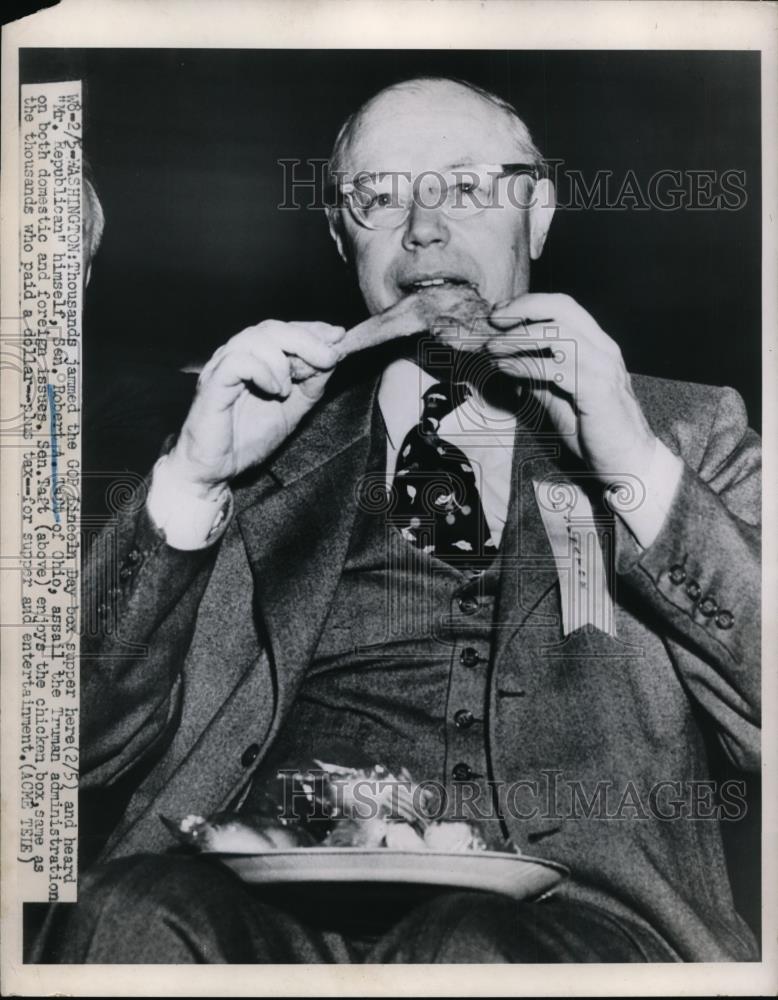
point(530, 630)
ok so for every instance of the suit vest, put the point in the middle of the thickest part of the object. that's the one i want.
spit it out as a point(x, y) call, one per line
point(401, 669)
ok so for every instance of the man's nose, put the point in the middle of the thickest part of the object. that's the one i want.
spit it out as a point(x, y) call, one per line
point(424, 227)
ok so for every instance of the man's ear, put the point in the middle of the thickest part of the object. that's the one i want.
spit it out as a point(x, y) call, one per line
point(541, 212)
point(335, 224)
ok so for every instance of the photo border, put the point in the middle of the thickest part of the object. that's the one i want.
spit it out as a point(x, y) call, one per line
point(442, 24)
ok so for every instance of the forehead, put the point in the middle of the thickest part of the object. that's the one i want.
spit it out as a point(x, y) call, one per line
point(430, 128)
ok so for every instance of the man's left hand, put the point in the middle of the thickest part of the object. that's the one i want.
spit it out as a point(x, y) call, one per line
point(587, 391)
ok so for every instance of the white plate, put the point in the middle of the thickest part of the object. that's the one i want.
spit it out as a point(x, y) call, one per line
point(514, 875)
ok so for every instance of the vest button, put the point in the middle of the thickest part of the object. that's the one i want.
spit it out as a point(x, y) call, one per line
point(462, 772)
point(469, 657)
point(468, 605)
point(250, 754)
point(708, 607)
point(725, 619)
point(677, 575)
point(464, 718)
point(693, 590)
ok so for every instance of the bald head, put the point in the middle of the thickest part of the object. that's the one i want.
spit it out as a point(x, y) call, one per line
point(439, 106)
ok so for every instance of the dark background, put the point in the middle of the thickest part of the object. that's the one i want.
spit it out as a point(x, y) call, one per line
point(185, 144)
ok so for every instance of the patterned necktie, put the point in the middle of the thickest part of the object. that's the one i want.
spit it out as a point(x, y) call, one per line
point(437, 505)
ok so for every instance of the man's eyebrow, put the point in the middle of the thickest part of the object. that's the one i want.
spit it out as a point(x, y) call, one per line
point(457, 165)
point(366, 174)
point(470, 165)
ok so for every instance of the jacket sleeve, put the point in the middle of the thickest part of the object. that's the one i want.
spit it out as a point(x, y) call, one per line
point(139, 603)
point(701, 577)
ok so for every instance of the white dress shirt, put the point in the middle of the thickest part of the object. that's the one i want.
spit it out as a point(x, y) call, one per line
point(485, 433)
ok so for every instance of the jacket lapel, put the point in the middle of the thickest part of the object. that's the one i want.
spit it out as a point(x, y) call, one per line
point(296, 535)
point(527, 618)
point(528, 591)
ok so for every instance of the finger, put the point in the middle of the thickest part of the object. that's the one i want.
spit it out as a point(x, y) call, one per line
point(580, 364)
point(537, 310)
point(540, 372)
point(329, 333)
point(538, 307)
point(278, 363)
point(211, 363)
point(306, 345)
point(301, 370)
point(292, 339)
point(506, 322)
point(313, 387)
point(275, 348)
point(239, 367)
point(526, 342)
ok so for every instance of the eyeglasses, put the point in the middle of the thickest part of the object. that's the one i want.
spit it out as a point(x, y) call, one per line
point(384, 200)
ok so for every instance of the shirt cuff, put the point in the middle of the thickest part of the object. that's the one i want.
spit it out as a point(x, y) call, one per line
point(660, 483)
point(187, 521)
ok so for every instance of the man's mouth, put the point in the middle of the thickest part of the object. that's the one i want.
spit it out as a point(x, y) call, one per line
point(439, 281)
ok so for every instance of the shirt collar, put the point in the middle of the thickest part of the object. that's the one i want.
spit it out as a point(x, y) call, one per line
point(403, 384)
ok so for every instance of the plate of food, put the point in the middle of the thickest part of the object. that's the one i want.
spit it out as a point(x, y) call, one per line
point(513, 875)
point(363, 826)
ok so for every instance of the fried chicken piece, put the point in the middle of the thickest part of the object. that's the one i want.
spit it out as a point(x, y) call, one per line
point(404, 837)
point(357, 833)
point(453, 836)
point(453, 310)
point(228, 833)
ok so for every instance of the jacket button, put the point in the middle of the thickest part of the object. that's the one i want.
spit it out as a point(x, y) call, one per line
point(725, 619)
point(133, 555)
point(464, 718)
point(462, 772)
point(469, 657)
point(708, 607)
point(677, 574)
point(250, 754)
point(693, 590)
point(467, 605)
point(125, 572)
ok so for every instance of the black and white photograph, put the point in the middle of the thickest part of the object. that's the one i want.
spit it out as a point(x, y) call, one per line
point(418, 502)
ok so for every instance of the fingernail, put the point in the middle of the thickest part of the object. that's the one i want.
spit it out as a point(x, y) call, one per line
point(501, 304)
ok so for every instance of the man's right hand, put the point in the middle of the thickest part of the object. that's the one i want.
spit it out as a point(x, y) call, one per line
point(230, 427)
point(247, 402)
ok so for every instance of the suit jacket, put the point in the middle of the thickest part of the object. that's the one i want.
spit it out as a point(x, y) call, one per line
point(199, 655)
